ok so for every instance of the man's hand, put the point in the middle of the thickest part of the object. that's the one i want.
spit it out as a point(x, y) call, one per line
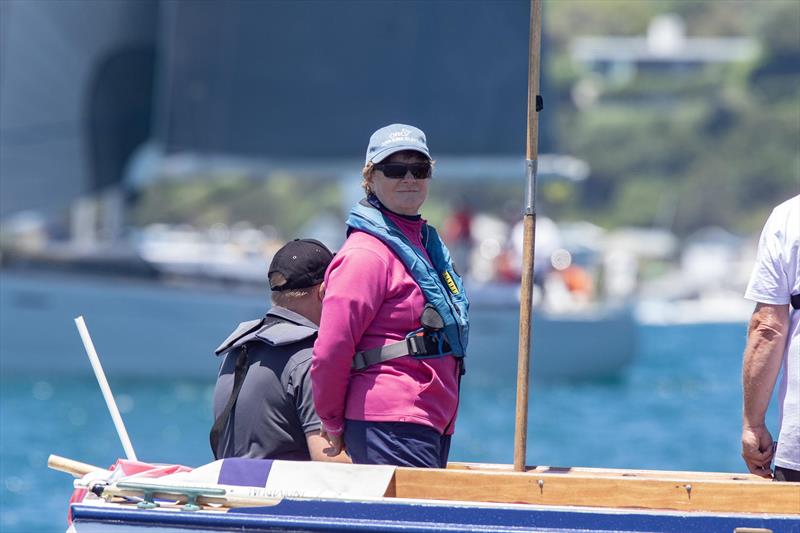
point(757, 450)
point(335, 441)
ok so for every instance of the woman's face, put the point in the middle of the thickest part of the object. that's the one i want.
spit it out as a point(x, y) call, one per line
point(404, 195)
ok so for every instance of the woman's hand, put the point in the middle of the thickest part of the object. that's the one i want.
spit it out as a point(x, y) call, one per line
point(335, 441)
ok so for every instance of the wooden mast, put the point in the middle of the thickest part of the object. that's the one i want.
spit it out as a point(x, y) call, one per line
point(528, 241)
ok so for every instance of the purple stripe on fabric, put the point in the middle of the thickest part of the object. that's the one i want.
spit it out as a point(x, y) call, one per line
point(245, 472)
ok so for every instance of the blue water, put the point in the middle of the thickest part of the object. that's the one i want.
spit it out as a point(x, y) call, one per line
point(677, 407)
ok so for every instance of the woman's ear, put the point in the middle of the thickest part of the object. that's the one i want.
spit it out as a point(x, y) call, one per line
point(321, 291)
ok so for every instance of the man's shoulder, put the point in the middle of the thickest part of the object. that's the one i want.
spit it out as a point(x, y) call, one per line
point(239, 335)
point(287, 363)
point(786, 215)
point(783, 228)
point(300, 359)
point(792, 205)
point(275, 330)
point(296, 371)
point(286, 333)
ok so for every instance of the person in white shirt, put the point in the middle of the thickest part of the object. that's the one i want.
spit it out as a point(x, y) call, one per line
point(773, 343)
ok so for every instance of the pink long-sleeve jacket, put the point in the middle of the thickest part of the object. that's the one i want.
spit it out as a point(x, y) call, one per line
point(371, 300)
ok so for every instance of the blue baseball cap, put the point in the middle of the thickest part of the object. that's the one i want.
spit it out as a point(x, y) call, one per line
point(395, 138)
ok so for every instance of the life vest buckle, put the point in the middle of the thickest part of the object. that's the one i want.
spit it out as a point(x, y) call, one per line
point(424, 344)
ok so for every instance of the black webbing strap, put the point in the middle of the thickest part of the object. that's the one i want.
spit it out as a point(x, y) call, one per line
point(425, 345)
point(222, 421)
point(796, 301)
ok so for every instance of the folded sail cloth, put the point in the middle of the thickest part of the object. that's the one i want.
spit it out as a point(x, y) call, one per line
point(279, 479)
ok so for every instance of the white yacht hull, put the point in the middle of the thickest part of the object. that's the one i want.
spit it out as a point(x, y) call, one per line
point(143, 328)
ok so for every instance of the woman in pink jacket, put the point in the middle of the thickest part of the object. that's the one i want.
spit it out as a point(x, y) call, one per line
point(389, 355)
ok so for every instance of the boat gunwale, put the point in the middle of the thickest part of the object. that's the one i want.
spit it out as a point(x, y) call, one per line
point(687, 475)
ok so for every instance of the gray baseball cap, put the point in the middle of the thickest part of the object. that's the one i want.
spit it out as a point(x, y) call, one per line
point(395, 138)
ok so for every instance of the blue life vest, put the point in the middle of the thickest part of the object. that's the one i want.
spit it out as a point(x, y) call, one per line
point(440, 284)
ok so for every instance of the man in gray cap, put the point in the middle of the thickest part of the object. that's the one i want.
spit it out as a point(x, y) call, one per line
point(263, 406)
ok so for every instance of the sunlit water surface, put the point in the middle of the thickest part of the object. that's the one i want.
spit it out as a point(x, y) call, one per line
point(676, 407)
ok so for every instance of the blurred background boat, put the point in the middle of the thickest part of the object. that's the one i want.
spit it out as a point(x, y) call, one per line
point(162, 323)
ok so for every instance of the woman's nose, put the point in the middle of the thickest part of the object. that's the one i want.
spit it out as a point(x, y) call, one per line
point(408, 176)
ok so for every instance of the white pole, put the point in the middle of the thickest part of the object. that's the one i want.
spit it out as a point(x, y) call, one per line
point(103, 382)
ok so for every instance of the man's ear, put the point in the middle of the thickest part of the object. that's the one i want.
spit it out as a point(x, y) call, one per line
point(321, 291)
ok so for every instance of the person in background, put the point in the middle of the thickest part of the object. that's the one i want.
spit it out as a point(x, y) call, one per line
point(457, 233)
point(263, 406)
point(773, 342)
point(388, 358)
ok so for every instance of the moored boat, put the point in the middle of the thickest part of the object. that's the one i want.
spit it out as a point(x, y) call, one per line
point(193, 317)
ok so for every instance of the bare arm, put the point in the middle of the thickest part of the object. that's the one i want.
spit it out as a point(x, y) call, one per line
point(766, 341)
point(317, 444)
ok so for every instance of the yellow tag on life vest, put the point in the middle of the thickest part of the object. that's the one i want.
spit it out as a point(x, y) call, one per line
point(450, 283)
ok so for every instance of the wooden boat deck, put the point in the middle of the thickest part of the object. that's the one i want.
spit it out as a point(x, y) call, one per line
point(606, 488)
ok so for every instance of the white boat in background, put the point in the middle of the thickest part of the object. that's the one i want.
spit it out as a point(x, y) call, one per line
point(160, 302)
point(705, 309)
point(591, 341)
point(151, 327)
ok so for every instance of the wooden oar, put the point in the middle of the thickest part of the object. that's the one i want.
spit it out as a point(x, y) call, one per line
point(528, 241)
point(76, 468)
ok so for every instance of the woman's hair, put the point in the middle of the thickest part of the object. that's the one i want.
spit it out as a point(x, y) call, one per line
point(366, 174)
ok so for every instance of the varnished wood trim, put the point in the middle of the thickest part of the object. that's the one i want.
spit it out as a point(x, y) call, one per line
point(688, 475)
point(613, 491)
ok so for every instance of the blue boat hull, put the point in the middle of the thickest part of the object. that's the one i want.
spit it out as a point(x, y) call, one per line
point(328, 515)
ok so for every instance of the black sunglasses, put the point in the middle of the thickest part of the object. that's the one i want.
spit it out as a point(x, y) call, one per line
point(397, 171)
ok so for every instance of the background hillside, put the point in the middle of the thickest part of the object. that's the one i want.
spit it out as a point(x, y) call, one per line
point(719, 146)
point(675, 147)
